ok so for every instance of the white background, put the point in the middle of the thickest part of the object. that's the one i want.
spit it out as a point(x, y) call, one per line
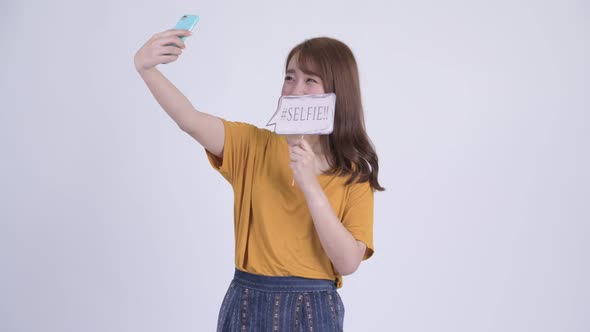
point(111, 219)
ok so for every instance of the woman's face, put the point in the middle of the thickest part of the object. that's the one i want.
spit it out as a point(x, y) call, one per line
point(299, 83)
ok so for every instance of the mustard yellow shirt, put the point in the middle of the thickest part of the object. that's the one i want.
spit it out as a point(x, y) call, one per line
point(273, 228)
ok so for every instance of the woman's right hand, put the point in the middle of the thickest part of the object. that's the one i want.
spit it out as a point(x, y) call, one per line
point(163, 47)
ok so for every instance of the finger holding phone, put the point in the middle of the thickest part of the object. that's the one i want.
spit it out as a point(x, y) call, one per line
point(165, 47)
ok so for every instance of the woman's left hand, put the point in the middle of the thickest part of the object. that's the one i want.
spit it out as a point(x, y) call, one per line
point(303, 163)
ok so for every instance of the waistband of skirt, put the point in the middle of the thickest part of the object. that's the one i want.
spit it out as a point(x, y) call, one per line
point(282, 284)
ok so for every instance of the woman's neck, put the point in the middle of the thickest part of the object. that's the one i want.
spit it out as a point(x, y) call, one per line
point(314, 142)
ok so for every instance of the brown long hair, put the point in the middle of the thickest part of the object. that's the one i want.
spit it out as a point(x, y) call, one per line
point(351, 150)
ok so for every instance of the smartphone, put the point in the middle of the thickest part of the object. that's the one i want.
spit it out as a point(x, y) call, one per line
point(187, 22)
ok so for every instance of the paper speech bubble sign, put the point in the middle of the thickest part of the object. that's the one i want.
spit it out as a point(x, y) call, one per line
point(304, 115)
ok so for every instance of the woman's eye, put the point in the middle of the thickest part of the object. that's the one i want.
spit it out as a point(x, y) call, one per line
point(312, 80)
point(288, 78)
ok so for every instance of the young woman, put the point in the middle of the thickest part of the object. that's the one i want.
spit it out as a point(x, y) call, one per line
point(303, 205)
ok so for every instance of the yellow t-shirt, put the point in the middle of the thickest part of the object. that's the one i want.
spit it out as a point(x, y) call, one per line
point(274, 230)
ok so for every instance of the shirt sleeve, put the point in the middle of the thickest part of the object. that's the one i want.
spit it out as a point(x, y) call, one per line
point(358, 215)
point(238, 146)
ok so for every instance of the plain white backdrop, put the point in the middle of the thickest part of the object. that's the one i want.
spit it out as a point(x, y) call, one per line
point(111, 218)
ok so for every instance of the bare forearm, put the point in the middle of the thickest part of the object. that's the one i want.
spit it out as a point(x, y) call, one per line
point(340, 246)
point(168, 96)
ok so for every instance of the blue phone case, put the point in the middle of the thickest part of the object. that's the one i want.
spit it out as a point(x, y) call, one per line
point(187, 22)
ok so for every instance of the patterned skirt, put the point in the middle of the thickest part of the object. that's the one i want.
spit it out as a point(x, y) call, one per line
point(265, 303)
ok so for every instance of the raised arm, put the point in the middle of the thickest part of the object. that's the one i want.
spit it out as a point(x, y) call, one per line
point(166, 47)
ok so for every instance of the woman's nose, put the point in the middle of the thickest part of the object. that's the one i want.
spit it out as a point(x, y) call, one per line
point(299, 89)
